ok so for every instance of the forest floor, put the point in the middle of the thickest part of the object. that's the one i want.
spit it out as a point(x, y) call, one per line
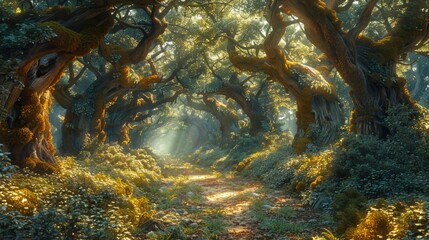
point(211, 205)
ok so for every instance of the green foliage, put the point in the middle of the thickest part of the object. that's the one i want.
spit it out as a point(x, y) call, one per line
point(286, 212)
point(397, 219)
point(85, 106)
point(278, 221)
point(375, 226)
point(349, 209)
point(135, 165)
point(179, 191)
point(282, 226)
point(6, 168)
point(90, 198)
point(277, 165)
point(18, 36)
point(214, 224)
point(258, 211)
point(389, 167)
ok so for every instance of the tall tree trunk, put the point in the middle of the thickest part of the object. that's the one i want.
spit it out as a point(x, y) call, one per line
point(72, 133)
point(319, 113)
point(79, 116)
point(382, 90)
point(29, 138)
point(366, 65)
point(136, 137)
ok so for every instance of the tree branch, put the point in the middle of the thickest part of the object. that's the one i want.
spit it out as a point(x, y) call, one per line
point(363, 19)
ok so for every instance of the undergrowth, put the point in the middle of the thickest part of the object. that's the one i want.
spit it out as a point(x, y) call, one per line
point(278, 220)
point(99, 195)
point(392, 169)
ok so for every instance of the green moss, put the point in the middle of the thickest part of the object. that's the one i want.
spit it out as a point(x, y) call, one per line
point(80, 43)
point(59, 12)
point(66, 39)
point(349, 209)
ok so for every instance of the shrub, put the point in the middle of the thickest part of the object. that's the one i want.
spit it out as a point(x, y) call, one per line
point(396, 219)
point(349, 209)
point(101, 195)
point(376, 225)
point(382, 168)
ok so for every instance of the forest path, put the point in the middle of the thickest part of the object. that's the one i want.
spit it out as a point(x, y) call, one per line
point(230, 207)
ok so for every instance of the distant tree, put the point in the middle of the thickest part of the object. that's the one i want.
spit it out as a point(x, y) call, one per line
point(232, 88)
point(228, 120)
point(418, 78)
point(125, 112)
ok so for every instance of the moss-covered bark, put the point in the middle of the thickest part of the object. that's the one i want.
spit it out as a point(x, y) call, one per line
point(40, 69)
point(319, 114)
point(382, 88)
point(29, 139)
point(87, 114)
point(367, 66)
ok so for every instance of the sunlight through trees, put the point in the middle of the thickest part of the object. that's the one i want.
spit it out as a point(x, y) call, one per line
point(226, 119)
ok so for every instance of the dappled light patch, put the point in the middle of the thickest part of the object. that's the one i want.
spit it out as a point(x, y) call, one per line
point(221, 196)
point(200, 177)
point(227, 206)
point(239, 208)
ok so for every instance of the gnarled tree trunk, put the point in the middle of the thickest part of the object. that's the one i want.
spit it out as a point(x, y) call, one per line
point(228, 121)
point(319, 113)
point(366, 65)
point(121, 116)
point(26, 131)
point(249, 104)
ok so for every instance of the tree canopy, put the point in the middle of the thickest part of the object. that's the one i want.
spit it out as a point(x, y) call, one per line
point(327, 98)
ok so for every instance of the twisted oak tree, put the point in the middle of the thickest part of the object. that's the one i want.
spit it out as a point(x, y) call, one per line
point(248, 102)
point(26, 131)
point(227, 84)
point(368, 66)
point(228, 120)
point(122, 115)
point(26, 101)
point(110, 86)
point(317, 102)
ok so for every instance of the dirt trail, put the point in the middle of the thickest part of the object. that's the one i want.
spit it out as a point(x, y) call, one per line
point(234, 196)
